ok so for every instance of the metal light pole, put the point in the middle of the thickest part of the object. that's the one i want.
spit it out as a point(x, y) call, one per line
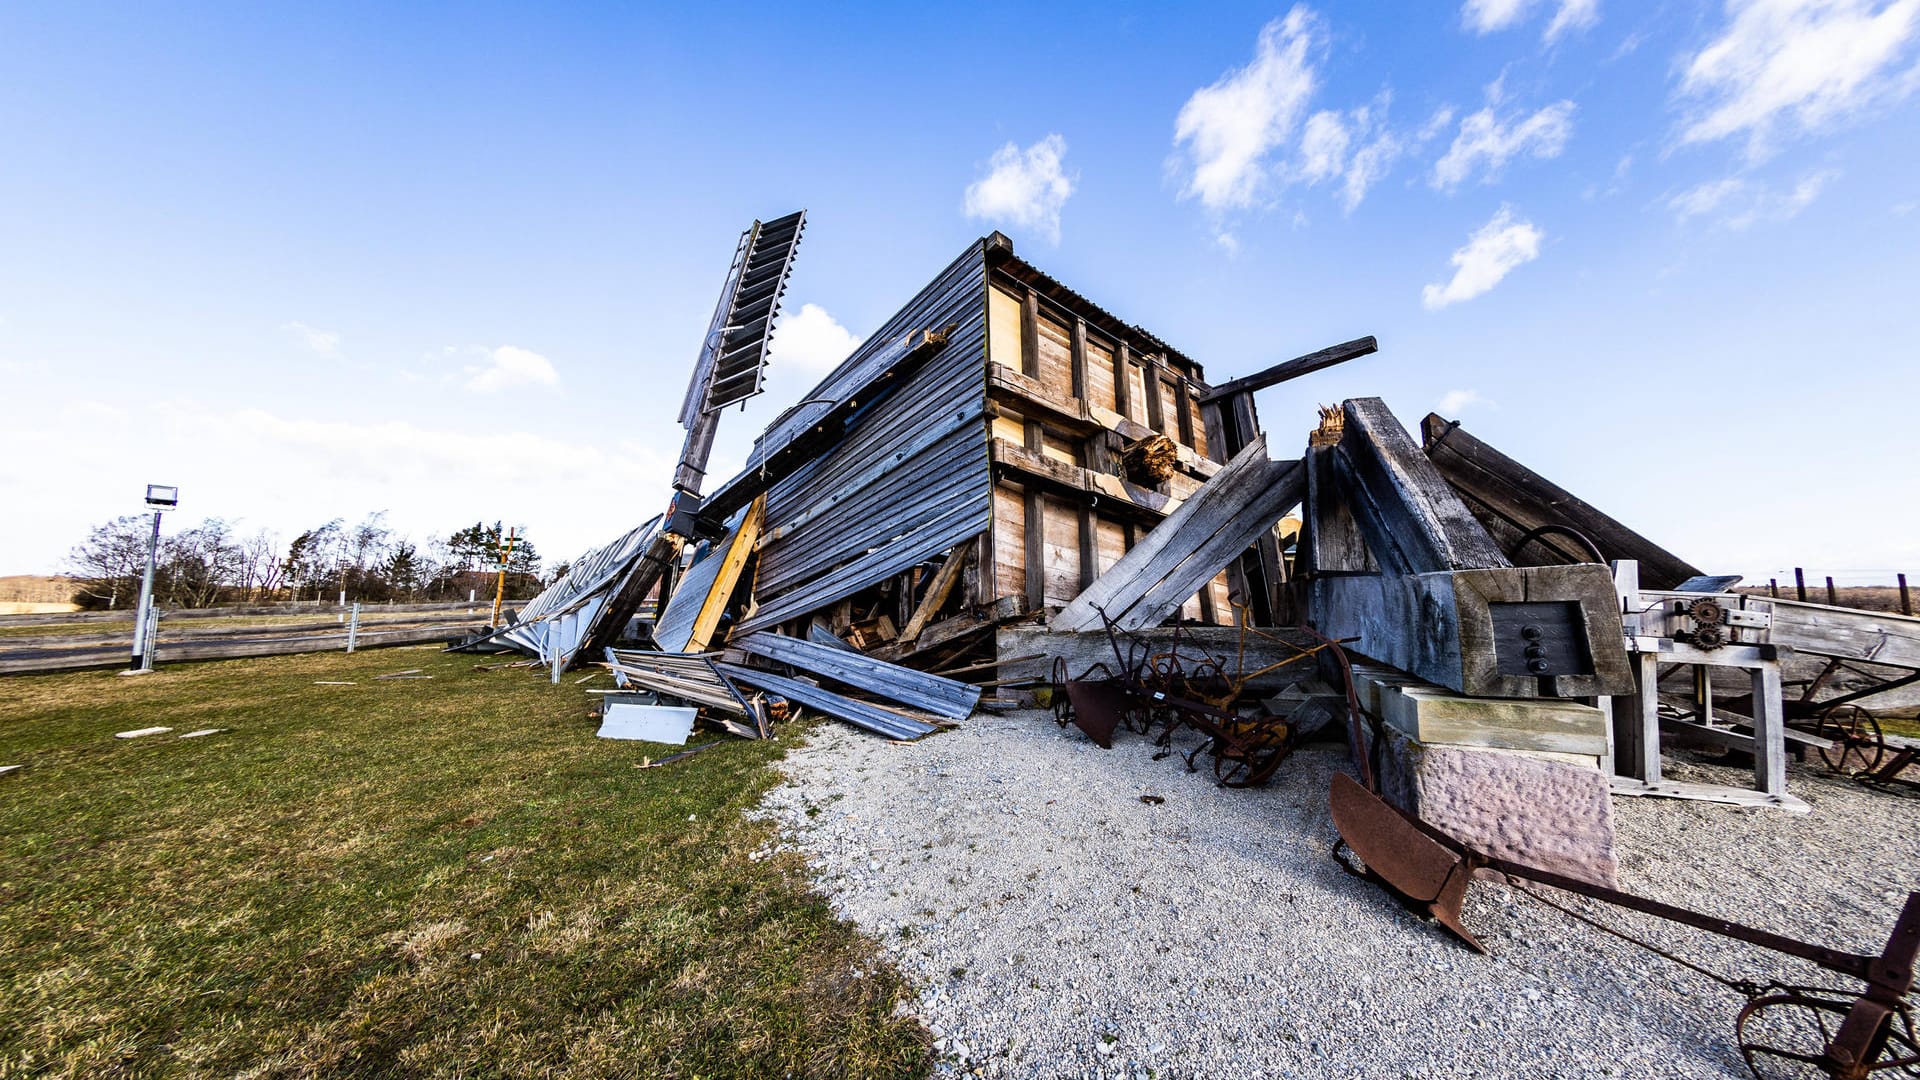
point(160, 499)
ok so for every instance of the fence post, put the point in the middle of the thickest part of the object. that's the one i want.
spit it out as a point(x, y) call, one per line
point(1800, 584)
point(1832, 599)
point(353, 627)
point(1773, 587)
point(1906, 603)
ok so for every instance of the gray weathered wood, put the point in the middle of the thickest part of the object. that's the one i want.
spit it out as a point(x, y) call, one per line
point(942, 697)
point(1413, 521)
point(1294, 368)
point(1500, 489)
point(1209, 530)
point(858, 713)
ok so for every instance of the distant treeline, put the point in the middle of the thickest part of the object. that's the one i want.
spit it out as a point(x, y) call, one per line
point(211, 563)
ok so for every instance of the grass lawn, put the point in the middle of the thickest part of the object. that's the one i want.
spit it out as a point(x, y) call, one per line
point(416, 877)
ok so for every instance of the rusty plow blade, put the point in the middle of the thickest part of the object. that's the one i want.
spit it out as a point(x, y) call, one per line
point(1426, 875)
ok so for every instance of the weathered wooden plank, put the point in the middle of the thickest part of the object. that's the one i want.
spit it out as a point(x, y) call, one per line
point(944, 697)
point(1294, 368)
point(938, 590)
point(1332, 543)
point(1414, 522)
point(693, 613)
point(923, 541)
point(1846, 633)
point(1242, 528)
point(1030, 335)
point(858, 713)
point(1500, 488)
point(1192, 545)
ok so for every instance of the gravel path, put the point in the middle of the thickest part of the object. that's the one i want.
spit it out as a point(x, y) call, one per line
point(1059, 926)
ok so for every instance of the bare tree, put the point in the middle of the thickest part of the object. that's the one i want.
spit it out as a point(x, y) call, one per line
point(110, 561)
point(260, 564)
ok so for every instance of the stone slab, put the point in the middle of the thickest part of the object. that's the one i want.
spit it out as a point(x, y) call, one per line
point(1530, 808)
point(1433, 714)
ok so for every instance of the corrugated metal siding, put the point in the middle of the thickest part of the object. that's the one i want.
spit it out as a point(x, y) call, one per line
point(910, 480)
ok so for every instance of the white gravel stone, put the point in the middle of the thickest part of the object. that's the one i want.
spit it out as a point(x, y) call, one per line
point(1055, 925)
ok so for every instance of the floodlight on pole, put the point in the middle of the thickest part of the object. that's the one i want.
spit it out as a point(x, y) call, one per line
point(160, 499)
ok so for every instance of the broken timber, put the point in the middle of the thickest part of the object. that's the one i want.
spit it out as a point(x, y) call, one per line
point(1513, 501)
point(943, 697)
point(858, 713)
point(1192, 546)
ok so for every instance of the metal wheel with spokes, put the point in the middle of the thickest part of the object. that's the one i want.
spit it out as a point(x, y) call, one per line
point(1790, 1033)
point(1857, 746)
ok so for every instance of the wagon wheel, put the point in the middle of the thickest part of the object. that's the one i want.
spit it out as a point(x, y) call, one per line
point(1855, 733)
point(1788, 1034)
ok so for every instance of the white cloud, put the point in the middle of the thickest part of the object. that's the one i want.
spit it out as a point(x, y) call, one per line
point(1354, 147)
point(1024, 187)
point(1573, 15)
point(1230, 129)
point(1455, 402)
point(1488, 16)
point(510, 366)
point(1490, 254)
point(1795, 64)
point(1705, 198)
point(1741, 204)
point(323, 342)
point(812, 341)
point(1323, 147)
point(1485, 143)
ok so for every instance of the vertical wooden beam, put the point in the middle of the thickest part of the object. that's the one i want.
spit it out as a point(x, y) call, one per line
point(1833, 599)
point(983, 575)
point(1156, 414)
point(1207, 613)
point(1123, 380)
point(1079, 358)
point(1769, 732)
point(1183, 400)
point(1089, 548)
point(1799, 584)
point(1636, 720)
point(1030, 334)
point(1036, 550)
point(1906, 603)
point(1036, 539)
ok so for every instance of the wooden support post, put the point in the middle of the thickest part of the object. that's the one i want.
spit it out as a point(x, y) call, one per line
point(1800, 584)
point(1036, 555)
point(1769, 732)
point(1123, 380)
point(1156, 411)
point(1773, 587)
point(1089, 547)
point(983, 581)
point(1183, 400)
point(1079, 360)
point(944, 580)
point(1906, 603)
point(1636, 720)
point(1030, 335)
point(1833, 599)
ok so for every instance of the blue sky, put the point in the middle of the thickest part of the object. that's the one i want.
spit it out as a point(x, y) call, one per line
point(454, 263)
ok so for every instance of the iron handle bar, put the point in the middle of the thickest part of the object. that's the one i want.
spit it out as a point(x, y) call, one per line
point(1896, 970)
